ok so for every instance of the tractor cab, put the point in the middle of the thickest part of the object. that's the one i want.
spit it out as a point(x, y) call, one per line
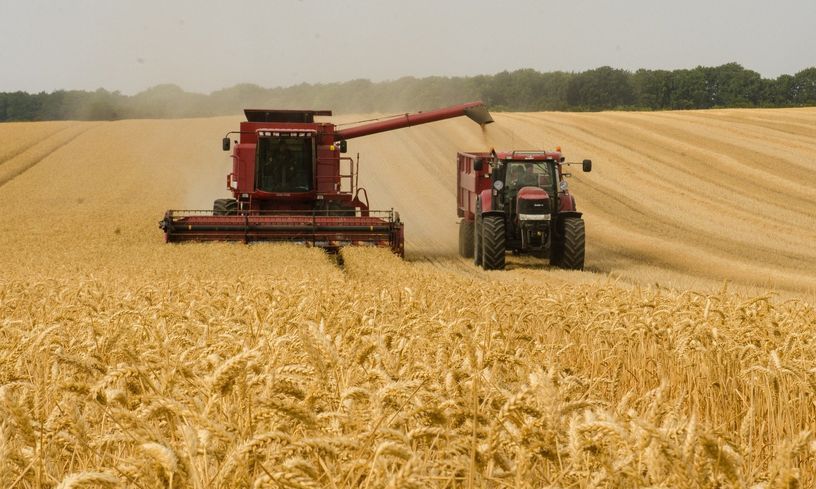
point(528, 174)
point(284, 161)
point(525, 183)
point(524, 179)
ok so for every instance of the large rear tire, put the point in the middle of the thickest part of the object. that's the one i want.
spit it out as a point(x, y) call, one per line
point(225, 207)
point(569, 252)
point(466, 238)
point(493, 243)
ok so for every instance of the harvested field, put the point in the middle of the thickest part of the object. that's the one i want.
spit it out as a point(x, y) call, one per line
point(684, 357)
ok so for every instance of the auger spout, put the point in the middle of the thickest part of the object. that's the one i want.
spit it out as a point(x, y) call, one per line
point(476, 111)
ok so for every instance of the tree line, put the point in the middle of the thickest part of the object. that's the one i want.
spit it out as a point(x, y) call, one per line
point(603, 88)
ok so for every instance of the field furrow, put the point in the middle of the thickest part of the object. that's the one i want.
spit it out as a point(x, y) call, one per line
point(683, 356)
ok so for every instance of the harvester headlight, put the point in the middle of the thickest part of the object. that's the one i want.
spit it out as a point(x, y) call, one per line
point(498, 185)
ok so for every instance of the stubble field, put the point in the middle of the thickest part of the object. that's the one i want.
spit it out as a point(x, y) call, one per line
point(685, 356)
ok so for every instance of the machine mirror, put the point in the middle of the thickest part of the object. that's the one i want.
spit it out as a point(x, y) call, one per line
point(225, 144)
point(478, 164)
point(343, 146)
point(587, 165)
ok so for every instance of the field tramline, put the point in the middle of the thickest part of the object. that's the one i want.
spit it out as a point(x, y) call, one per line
point(125, 362)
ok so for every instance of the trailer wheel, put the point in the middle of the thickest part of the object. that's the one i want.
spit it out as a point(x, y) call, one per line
point(466, 238)
point(569, 251)
point(225, 207)
point(493, 242)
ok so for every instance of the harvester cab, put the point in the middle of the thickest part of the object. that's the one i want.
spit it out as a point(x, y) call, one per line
point(518, 201)
point(285, 163)
point(291, 182)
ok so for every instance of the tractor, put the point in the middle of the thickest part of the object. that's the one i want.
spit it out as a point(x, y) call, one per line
point(518, 201)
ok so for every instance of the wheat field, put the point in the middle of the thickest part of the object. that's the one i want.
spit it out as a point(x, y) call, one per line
point(685, 356)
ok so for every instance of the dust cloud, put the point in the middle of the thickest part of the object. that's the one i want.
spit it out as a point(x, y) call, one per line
point(206, 183)
point(498, 137)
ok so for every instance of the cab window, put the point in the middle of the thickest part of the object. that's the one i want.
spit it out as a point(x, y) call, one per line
point(529, 174)
point(284, 164)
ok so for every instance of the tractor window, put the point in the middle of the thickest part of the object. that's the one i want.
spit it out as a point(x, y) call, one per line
point(284, 164)
point(529, 174)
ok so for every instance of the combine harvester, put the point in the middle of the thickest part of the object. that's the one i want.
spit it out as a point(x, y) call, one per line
point(290, 183)
point(518, 201)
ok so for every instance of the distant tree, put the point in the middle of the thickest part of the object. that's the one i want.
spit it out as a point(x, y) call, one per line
point(777, 93)
point(731, 85)
point(523, 89)
point(531, 90)
point(551, 92)
point(689, 89)
point(21, 106)
point(653, 89)
point(238, 97)
point(601, 88)
point(804, 87)
point(101, 106)
point(166, 100)
point(604, 88)
point(497, 90)
point(50, 106)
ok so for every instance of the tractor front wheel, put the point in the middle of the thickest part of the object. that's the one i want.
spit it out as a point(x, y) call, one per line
point(466, 238)
point(568, 252)
point(493, 242)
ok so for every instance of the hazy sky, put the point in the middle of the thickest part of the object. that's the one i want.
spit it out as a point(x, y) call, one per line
point(206, 45)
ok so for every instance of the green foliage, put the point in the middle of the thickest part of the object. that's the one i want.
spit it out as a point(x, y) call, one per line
point(803, 90)
point(653, 88)
point(603, 88)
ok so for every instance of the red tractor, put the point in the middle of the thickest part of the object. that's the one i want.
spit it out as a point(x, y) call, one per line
point(518, 201)
point(290, 183)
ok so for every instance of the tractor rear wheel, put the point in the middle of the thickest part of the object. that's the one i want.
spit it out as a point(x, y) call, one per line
point(569, 251)
point(493, 242)
point(466, 238)
point(477, 235)
point(225, 207)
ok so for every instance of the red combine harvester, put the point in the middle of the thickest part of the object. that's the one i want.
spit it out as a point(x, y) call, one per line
point(518, 201)
point(290, 183)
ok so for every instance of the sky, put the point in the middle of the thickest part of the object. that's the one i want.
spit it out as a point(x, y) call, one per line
point(203, 45)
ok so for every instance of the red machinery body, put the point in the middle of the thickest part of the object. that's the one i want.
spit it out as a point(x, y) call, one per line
point(290, 182)
point(518, 201)
point(472, 183)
